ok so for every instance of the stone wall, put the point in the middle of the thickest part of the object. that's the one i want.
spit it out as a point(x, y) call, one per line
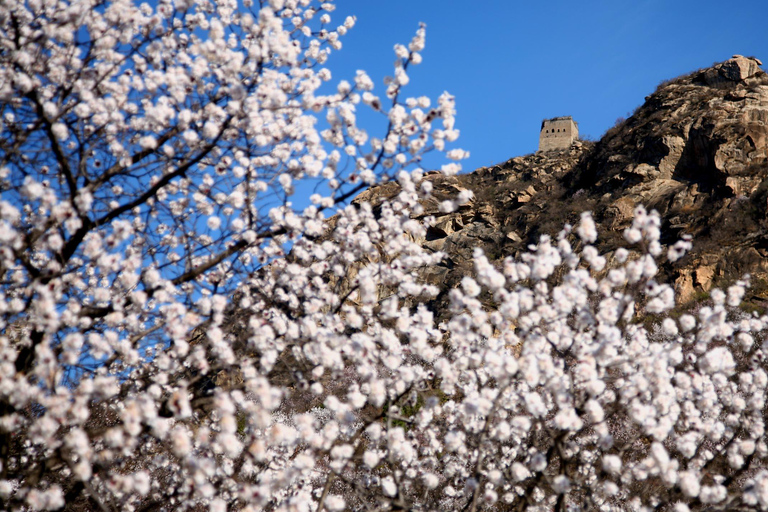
point(558, 133)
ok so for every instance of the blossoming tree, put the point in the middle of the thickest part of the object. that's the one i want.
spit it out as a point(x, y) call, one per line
point(176, 335)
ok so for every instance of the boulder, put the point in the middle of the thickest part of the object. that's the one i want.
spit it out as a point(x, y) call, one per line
point(684, 287)
point(705, 275)
point(644, 170)
point(622, 211)
point(735, 69)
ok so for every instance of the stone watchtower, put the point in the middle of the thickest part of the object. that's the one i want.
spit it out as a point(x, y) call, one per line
point(558, 133)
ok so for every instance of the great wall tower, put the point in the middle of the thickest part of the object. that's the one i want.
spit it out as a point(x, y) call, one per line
point(558, 133)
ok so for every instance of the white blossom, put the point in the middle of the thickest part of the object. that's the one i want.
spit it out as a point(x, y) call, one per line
point(587, 229)
point(179, 326)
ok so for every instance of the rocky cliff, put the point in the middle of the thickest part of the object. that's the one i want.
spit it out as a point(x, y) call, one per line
point(696, 151)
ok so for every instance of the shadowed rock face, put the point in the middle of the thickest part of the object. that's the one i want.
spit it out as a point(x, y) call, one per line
point(696, 151)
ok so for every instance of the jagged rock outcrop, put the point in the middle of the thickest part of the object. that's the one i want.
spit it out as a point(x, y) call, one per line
point(735, 69)
point(696, 151)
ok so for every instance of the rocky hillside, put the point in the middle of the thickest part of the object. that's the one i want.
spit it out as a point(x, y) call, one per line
point(696, 151)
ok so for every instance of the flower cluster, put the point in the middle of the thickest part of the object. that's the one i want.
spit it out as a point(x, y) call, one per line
point(177, 334)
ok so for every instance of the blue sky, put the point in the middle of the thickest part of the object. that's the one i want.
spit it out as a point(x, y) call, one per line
point(511, 64)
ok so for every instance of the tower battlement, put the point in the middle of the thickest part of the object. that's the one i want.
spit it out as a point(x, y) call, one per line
point(558, 133)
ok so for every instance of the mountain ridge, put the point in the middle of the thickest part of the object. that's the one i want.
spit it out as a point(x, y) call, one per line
point(696, 151)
